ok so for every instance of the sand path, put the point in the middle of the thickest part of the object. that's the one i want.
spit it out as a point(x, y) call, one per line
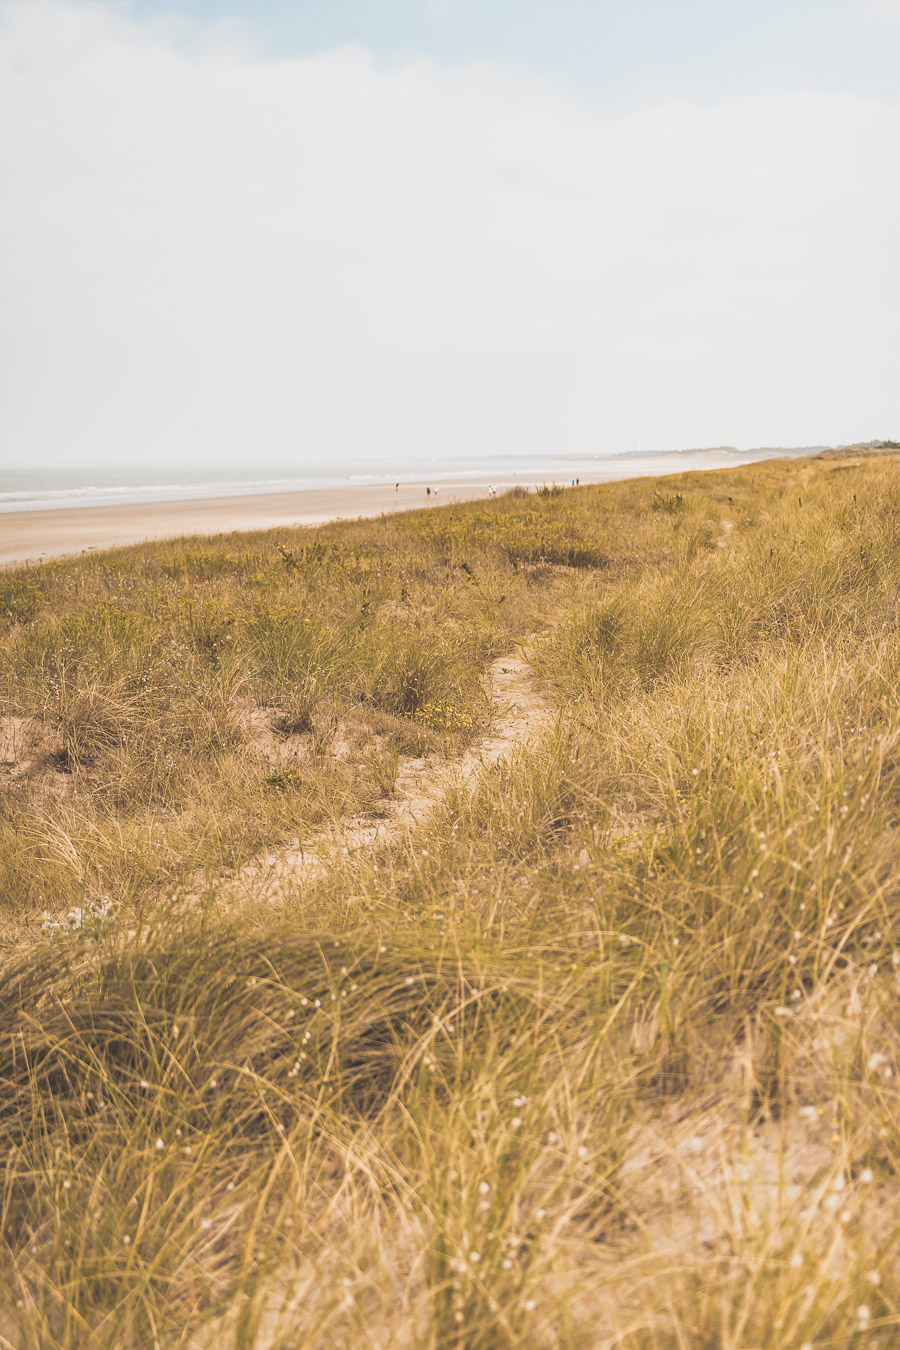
point(521, 713)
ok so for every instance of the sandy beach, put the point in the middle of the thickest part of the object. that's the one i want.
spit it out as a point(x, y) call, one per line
point(38, 535)
point(31, 536)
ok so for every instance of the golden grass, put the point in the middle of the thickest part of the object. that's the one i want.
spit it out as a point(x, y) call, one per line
point(605, 1056)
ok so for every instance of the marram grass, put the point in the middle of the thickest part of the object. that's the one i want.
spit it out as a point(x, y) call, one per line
point(606, 1055)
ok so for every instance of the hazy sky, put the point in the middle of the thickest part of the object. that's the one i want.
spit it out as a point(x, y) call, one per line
point(279, 232)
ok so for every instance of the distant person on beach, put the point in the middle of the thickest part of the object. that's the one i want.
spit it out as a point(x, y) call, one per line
point(428, 492)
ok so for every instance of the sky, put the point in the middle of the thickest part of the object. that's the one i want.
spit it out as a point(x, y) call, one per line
point(378, 230)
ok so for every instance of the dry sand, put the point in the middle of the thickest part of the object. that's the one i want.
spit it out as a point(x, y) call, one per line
point(521, 713)
point(29, 536)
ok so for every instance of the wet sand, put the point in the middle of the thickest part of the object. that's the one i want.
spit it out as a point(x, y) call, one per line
point(30, 536)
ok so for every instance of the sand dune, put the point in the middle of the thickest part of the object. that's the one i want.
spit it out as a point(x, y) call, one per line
point(32, 535)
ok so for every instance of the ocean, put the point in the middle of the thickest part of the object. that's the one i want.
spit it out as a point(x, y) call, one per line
point(67, 488)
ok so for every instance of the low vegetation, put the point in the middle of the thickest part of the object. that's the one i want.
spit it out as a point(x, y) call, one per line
point(604, 1055)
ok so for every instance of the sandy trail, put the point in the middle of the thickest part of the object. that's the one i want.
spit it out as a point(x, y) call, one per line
point(521, 713)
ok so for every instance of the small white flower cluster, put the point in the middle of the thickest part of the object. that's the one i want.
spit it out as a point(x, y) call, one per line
point(880, 1064)
point(515, 1246)
point(97, 911)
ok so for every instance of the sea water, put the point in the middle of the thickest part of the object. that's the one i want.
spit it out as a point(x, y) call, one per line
point(66, 488)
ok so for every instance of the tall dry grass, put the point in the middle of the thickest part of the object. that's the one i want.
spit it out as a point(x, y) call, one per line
point(605, 1057)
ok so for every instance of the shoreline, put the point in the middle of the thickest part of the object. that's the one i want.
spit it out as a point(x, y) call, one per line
point(36, 536)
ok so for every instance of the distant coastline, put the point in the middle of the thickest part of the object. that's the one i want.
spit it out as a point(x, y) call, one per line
point(72, 517)
point(60, 489)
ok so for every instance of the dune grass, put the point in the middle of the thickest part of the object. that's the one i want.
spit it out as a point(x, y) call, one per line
point(197, 700)
point(606, 1056)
